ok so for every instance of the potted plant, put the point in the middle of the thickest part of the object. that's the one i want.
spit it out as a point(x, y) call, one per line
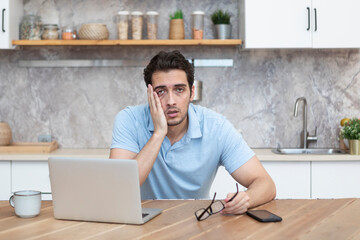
point(351, 131)
point(177, 25)
point(221, 20)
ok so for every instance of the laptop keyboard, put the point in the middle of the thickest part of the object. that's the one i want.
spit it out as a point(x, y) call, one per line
point(144, 215)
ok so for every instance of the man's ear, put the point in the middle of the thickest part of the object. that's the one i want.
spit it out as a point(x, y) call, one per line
point(192, 93)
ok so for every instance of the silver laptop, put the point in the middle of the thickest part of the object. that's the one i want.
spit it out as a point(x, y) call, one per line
point(101, 190)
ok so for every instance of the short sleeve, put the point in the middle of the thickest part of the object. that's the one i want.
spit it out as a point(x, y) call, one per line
point(234, 150)
point(125, 132)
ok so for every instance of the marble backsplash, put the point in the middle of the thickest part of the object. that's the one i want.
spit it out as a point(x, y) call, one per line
point(77, 106)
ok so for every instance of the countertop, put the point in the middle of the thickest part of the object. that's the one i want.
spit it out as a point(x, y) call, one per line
point(264, 154)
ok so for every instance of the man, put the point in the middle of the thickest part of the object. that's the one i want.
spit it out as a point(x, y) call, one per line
point(179, 146)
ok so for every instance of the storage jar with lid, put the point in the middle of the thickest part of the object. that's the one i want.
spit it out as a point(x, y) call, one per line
point(197, 24)
point(30, 27)
point(123, 25)
point(136, 24)
point(51, 32)
point(152, 24)
point(68, 33)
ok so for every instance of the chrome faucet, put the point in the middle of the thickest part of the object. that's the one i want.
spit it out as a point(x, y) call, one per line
point(305, 137)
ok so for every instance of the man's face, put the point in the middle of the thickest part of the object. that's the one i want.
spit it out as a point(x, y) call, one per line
point(174, 93)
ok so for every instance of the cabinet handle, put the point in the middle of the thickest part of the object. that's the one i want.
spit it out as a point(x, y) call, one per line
point(315, 19)
point(308, 10)
point(3, 16)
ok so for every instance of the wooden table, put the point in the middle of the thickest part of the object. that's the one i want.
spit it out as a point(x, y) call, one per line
point(302, 219)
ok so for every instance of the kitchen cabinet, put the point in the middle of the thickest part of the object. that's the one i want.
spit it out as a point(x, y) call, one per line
point(336, 179)
point(31, 175)
point(11, 13)
point(5, 180)
point(292, 180)
point(299, 23)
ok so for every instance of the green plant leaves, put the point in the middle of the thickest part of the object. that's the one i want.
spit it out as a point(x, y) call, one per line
point(220, 17)
point(351, 130)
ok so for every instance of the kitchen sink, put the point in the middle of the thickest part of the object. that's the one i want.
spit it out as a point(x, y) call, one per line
point(308, 151)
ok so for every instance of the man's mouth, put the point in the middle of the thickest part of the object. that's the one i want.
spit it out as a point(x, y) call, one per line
point(172, 113)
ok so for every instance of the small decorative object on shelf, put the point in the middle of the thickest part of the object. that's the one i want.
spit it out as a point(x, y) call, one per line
point(93, 31)
point(177, 30)
point(123, 25)
point(51, 32)
point(5, 134)
point(68, 33)
point(221, 20)
point(197, 24)
point(351, 131)
point(136, 25)
point(30, 27)
point(152, 25)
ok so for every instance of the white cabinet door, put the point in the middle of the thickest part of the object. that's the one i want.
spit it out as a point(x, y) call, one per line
point(336, 179)
point(31, 175)
point(11, 13)
point(223, 184)
point(5, 180)
point(337, 24)
point(275, 24)
point(292, 179)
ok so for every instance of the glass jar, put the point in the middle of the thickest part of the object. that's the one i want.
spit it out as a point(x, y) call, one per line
point(51, 32)
point(68, 33)
point(152, 25)
point(123, 25)
point(30, 27)
point(197, 24)
point(136, 25)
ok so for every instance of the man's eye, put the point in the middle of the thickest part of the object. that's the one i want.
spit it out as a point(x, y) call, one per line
point(179, 90)
point(160, 92)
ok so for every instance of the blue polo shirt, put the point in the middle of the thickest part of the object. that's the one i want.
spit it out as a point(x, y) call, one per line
point(186, 169)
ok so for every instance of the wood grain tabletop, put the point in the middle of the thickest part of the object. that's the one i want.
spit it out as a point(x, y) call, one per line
point(302, 219)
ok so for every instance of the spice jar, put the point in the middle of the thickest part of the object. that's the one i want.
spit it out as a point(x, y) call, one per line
point(151, 23)
point(50, 32)
point(197, 24)
point(68, 33)
point(136, 24)
point(30, 27)
point(123, 25)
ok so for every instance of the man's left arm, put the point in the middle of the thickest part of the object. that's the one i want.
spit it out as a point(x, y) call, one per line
point(260, 187)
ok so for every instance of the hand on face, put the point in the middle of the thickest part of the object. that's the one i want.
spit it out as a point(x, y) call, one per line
point(238, 205)
point(157, 113)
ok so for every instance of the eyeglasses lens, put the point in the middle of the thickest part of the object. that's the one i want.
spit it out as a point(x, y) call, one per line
point(201, 214)
point(217, 206)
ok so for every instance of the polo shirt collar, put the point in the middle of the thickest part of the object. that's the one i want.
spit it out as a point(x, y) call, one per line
point(193, 131)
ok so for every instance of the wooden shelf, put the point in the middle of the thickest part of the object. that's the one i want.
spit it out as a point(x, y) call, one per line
point(165, 42)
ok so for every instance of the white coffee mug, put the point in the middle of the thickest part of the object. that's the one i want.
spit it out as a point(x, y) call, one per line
point(27, 203)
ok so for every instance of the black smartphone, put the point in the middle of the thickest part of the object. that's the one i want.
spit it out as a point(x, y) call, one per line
point(263, 216)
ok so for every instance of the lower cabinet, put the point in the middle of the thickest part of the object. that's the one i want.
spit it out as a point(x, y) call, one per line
point(292, 180)
point(5, 180)
point(336, 179)
point(31, 175)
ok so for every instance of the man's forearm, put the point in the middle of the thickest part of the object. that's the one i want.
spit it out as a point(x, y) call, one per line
point(147, 156)
point(262, 190)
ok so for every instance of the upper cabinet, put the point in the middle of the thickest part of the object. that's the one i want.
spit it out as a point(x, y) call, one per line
point(299, 23)
point(11, 13)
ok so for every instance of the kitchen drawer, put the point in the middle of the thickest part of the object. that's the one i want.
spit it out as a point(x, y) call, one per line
point(292, 179)
point(5, 179)
point(336, 179)
point(31, 175)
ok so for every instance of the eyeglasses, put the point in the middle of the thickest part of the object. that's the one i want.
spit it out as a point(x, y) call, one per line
point(213, 208)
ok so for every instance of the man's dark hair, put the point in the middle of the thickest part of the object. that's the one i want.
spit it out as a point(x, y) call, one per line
point(166, 61)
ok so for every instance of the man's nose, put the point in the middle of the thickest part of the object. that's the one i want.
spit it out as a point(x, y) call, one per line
point(171, 99)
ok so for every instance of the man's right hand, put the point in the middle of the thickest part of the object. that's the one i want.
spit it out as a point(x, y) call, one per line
point(157, 113)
